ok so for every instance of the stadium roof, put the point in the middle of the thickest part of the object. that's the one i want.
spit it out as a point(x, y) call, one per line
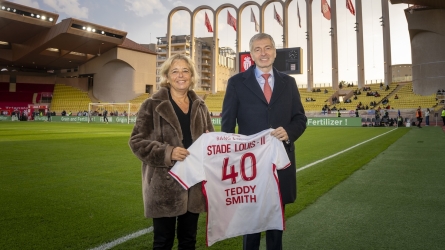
point(430, 3)
point(31, 41)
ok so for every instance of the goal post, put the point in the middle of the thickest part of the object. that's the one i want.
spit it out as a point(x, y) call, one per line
point(113, 109)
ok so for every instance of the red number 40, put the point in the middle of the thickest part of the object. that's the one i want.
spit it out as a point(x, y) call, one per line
point(232, 173)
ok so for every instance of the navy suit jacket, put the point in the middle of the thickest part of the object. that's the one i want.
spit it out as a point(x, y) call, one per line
point(244, 104)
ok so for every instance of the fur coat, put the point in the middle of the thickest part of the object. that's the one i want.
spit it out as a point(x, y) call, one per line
point(156, 133)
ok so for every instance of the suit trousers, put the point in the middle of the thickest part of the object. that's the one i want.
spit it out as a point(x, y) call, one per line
point(164, 232)
point(273, 240)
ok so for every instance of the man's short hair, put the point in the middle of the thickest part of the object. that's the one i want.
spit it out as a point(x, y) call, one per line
point(260, 36)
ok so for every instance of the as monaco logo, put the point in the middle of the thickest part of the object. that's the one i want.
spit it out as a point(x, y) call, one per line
point(245, 62)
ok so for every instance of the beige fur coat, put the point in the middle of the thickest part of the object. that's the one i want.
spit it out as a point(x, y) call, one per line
point(156, 132)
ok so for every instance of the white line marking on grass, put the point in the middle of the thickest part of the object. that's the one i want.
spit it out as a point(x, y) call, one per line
point(123, 239)
point(341, 152)
point(150, 229)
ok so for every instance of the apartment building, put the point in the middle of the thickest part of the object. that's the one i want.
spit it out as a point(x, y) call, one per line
point(203, 58)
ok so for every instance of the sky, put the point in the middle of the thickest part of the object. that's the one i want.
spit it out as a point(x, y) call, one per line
point(144, 20)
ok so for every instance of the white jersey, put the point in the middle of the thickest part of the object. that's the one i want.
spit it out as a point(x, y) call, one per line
point(240, 182)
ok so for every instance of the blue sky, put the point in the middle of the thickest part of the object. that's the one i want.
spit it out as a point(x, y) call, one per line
point(144, 20)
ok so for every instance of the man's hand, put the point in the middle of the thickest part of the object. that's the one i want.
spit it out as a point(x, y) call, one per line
point(280, 134)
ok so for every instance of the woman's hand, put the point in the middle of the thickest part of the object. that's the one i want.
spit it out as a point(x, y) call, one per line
point(179, 154)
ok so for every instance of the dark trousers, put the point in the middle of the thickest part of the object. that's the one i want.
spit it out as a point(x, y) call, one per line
point(164, 231)
point(273, 240)
point(419, 119)
point(105, 119)
point(427, 120)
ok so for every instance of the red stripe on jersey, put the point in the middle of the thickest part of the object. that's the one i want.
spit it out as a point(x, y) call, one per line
point(287, 165)
point(179, 180)
point(279, 192)
point(204, 192)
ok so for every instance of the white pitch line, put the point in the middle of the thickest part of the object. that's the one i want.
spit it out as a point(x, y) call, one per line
point(341, 152)
point(123, 239)
point(150, 229)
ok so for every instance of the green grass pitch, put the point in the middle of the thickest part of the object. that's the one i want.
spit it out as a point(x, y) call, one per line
point(78, 186)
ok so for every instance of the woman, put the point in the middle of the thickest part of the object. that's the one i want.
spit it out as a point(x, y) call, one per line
point(427, 117)
point(167, 124)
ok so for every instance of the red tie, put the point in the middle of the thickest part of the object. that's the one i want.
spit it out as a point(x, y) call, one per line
point(267, 90)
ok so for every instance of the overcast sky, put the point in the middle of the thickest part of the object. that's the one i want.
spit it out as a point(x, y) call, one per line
point(144, 20)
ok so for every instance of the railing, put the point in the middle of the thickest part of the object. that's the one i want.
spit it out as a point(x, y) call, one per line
point(355, 83)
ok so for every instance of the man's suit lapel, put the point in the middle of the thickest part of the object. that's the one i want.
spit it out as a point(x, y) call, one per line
point(251, 83)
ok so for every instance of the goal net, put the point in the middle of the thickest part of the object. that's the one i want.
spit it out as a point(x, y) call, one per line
point(116, 112)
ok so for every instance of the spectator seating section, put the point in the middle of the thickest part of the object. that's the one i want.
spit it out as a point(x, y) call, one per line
point(136, 103)
point(409, 100)
point(4, 86)
point(26, 93)
point(69, 99)
point(214, 102)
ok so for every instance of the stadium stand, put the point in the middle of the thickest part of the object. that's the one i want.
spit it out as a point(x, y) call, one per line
point(69, 99)
point(407, 99)
point(136, 102)
point(24, 94)
point(214, 102)
point(4, 86)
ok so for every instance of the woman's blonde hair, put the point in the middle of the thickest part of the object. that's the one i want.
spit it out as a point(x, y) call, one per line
point(165, 68)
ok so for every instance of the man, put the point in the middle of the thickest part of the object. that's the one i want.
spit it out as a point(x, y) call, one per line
point(419, 117)
point(48, 115)
point(443, 116)
point(105, 113)
point(262, 98)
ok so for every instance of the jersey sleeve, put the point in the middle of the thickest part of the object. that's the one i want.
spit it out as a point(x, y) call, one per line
point(191, 170)
point(281, 159)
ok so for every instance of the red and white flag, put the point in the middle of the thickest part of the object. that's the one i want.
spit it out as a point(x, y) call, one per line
point(231, 20)
point(208, 24)
point(325, 9)
point(276, 16)
point(253, 19)
point(299, 18)
point(350, 7)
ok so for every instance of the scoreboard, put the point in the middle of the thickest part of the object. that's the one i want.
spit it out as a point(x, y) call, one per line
point(288, 60)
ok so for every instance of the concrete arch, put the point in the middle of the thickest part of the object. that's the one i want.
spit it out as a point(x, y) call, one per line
point(263, 9)
point(286, 23)
point(215, 49)
point(169, 19)
point(427, 50)
point(192, 32)
point(240, 11)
